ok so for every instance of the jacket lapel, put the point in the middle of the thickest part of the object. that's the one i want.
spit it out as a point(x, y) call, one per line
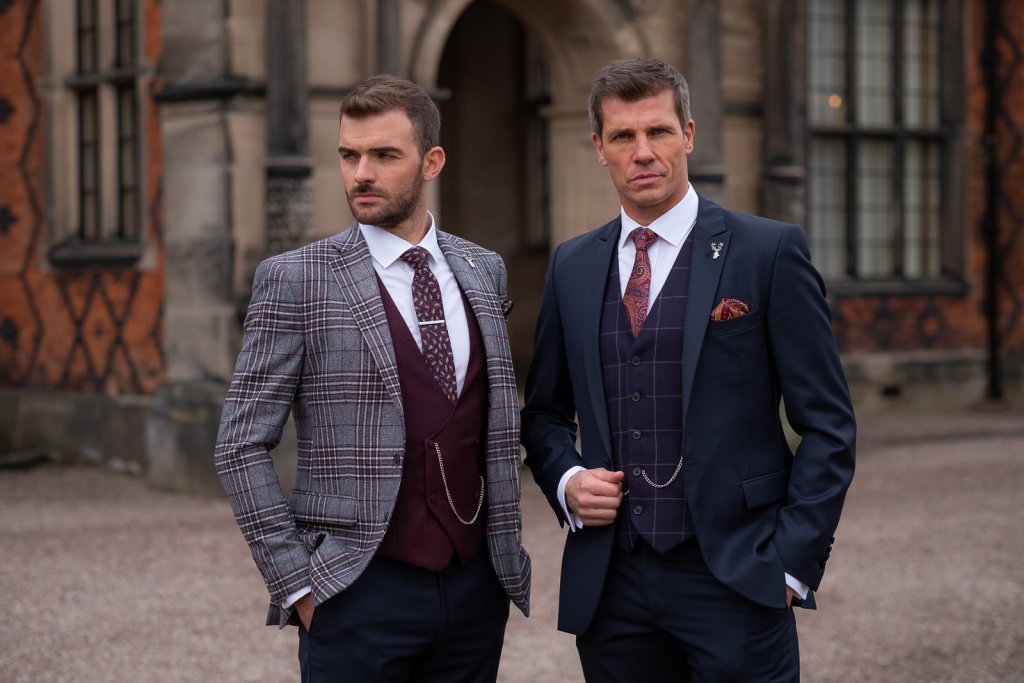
point(484, 307)
point(705, 272)
point(593, 268)
point(465, 268)
point(358, 284)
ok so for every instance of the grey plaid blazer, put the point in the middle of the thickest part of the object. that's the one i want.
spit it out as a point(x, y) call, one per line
point(316, 342)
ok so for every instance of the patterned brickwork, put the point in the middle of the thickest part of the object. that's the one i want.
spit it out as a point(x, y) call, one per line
point(93, 329)
point(891, 323)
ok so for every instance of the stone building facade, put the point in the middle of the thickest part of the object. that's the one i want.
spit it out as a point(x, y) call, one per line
point(154, 151)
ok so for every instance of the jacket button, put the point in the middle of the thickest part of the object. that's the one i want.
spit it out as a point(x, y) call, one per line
point(636, 471)
point(638, 509)
point(635, 396)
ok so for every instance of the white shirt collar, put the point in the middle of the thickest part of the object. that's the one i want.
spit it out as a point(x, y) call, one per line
point(386, 247)
point(673, 226)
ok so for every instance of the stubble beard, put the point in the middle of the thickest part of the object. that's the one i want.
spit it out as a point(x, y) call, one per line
point(396, 210)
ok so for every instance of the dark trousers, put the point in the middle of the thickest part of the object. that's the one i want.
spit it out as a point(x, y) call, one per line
point(666, 618)
point(399, 622)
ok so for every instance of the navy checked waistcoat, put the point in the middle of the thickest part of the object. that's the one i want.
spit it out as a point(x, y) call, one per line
point(423, 530)
point(643, 386)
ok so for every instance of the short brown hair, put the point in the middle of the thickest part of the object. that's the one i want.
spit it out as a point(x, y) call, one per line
point(631, 80)
point(383, 93)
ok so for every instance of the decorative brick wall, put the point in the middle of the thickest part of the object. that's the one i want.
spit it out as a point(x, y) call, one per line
point(87, 329)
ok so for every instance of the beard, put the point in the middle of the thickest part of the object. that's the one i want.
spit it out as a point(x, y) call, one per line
point(395, 210)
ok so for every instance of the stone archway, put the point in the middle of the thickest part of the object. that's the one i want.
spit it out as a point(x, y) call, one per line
point(577, 37)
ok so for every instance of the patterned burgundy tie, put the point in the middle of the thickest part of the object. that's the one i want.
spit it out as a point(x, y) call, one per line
point(638, 288)
point(426, 297)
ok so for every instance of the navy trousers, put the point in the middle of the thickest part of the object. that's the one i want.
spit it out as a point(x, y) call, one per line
point(665, 618)
point(401, 623)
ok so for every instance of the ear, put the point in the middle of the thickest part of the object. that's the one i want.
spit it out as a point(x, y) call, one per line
point(433, 162)
point(600, 149)
point(688, 133)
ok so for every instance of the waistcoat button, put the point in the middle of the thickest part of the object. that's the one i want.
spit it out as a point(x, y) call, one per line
point(635, 360)
point(636, 435)
point(636, 471)
point(638, 509)
point(635, 396)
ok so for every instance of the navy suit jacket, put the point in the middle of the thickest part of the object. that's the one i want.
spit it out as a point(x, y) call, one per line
point(759, 509)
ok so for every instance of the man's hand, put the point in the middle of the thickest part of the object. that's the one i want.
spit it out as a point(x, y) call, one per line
point(304, 608)
point(594, 495)
point(789, 596)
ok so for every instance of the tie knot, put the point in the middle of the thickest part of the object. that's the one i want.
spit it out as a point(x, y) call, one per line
point(642, 237)
point(416, 257)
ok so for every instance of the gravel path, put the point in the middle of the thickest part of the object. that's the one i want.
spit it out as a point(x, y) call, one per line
point(104, 579)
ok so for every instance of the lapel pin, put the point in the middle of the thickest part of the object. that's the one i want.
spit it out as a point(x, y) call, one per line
point(469, 260)
point(717, 248)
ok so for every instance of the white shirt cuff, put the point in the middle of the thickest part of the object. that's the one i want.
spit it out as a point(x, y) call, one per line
point(574, 521)
point(798, 586)
point(294, 597)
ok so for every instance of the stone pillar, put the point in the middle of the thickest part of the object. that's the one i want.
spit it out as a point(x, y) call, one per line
point(704, 74)
point(389, 37)
point(200, 321)
point(785, 124)
point(289, 166)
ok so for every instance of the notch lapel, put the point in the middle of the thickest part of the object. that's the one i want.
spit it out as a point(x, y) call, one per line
point(705, 273)
point(358, 284)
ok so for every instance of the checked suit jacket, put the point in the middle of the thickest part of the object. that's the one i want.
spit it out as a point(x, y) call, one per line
point(317, 344)
point(759, 509)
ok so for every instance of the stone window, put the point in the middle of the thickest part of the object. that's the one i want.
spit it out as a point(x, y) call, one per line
point(95, 106)
point(879, 199)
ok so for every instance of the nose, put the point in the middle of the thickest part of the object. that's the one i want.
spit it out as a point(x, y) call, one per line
point(643, 152)
point(364, 170)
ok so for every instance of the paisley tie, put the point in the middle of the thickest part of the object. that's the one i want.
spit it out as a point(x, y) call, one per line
point(426, 298)
point(638, 288)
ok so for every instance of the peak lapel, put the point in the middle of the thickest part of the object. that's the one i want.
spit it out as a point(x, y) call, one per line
point(595, 262)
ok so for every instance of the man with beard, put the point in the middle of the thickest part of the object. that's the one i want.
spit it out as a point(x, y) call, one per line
point(400, 547)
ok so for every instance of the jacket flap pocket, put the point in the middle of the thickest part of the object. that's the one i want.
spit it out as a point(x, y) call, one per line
point(324, 508)
point(768, 488)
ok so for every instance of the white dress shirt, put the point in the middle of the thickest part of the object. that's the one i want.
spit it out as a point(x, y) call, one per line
point(396, 274)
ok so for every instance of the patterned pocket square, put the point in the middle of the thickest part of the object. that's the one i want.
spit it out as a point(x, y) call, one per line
point(728, 309)
point(506, 307)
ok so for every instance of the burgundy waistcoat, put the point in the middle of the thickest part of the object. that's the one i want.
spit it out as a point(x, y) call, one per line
point(424, 531)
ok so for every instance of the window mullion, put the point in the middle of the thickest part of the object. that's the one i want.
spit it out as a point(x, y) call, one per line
point(852, 138)
point(899, 139)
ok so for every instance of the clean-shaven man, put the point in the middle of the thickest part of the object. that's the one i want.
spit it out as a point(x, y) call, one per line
point(667, 338)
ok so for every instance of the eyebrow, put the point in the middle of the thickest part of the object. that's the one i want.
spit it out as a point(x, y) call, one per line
point(634, 129)
point(397, 150)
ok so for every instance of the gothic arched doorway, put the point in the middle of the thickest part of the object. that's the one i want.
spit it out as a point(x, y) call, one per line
point(496, 187)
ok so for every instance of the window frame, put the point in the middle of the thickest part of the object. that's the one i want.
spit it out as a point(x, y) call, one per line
point(947, 134)
point(67, 84)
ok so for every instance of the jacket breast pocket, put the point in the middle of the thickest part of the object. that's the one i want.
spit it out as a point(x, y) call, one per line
point(318, 510)
point(739, 325)
point(766, 489)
